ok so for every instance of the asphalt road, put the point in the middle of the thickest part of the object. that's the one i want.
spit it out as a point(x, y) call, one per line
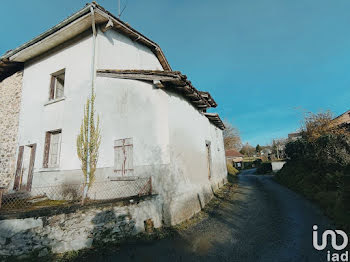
point(259, 220)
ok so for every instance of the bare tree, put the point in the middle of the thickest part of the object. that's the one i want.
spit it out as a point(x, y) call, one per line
point(318, 124)
point(248, 150)
point(278, 147)
point(232, 140)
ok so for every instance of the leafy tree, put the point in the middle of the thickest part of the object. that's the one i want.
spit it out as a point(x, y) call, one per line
point(232, 140)
point(88, 143)
point(258, 149)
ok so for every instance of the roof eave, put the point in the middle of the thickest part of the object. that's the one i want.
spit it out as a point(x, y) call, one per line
point(52, 30)
point(52, 38)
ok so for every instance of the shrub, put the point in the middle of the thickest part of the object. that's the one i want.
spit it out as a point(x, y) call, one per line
point(248, 164)
point(328, 151)
point(231, 170)
point(318, 184)
point(264, 168)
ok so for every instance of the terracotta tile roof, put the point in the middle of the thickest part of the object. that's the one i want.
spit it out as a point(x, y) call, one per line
point(233, 153)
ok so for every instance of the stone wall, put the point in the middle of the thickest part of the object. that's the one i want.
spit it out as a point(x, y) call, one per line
point(82, 228)
point(10, 103)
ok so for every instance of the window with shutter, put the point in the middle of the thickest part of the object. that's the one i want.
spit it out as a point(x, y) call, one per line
point(123, 157)
point(52, 148)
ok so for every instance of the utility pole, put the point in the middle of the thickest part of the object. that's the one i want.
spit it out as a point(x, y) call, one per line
point(118, 8)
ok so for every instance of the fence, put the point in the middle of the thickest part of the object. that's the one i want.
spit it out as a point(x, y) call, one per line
point(71, 194)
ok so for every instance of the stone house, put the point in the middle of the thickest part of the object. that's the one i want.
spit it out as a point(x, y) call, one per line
point(154, 122)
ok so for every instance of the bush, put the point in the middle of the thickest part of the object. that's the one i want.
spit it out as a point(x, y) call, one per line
point(231, 170)
point(330, 150)
point(321, 185)
point(248, 164)
point(318, 164)
point(264, 168)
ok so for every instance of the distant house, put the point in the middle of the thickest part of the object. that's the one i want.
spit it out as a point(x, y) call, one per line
point(234, 157)
point(343, 119)
point(294, 136)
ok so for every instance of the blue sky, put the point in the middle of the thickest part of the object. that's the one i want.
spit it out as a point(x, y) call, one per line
point(264, 61)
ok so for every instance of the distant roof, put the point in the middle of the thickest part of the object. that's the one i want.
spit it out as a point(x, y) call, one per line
point(294, 135)
point(233, 153)
point(342, 115)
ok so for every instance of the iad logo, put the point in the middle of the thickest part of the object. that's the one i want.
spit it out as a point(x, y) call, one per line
point(333, 235)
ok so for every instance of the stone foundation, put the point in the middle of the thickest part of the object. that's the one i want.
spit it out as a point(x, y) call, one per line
point(10, 101)
point(78, 229)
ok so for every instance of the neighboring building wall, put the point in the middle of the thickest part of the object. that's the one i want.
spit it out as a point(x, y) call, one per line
point(276, 166)
point(10, 101)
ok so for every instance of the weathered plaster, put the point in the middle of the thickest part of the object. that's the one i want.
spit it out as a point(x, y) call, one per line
point(169, 134)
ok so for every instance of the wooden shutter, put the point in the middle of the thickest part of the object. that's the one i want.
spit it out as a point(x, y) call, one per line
point(52, 88)
point(128, 157)
point(31, 167)
point(18, 168)
point(123, 157)
point(46, 149)
point(55, 143)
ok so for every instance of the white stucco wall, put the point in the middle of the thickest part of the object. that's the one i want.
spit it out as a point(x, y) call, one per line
point(116, 51)
point(36, 118)
point(169, 134)
point(123, 105)
point(133, 109)
point(189, 130)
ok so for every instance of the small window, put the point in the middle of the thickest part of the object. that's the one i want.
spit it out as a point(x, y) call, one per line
point(57, 85)
point(52, 149)
point(123, 157)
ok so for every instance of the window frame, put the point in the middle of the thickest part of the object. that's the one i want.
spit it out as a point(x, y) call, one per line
point(47, 147)
point(53, 85)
